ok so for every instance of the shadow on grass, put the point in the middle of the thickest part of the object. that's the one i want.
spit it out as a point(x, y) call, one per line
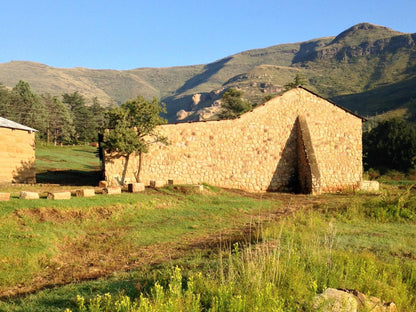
point(70, 177)
point(60, 298)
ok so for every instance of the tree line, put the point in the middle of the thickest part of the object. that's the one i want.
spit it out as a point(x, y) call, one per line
point(62, 119)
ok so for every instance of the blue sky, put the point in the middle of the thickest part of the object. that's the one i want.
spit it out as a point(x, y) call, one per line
point(127, 34)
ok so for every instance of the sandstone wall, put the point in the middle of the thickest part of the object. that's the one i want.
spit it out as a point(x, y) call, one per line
point(17, 156)
point(261, 150)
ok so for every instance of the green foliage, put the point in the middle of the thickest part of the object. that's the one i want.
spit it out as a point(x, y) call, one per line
point(390, 145)
point(27, 108)
point(123, 140)
point(233, 105)
point(297, 81)
point(5, 106)
point(60, 127)
point(133, 128)
point(88, 120)
point(70, 121)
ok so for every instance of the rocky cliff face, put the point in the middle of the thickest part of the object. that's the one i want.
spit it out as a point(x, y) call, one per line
point(342, 53)
point(359, 40)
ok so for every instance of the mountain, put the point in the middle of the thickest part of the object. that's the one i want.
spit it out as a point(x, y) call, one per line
point(367, 68)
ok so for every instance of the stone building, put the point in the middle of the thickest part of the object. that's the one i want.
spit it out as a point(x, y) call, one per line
point(297, 142)
point(17, 152)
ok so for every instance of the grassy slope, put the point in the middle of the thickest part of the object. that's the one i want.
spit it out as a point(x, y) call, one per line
point(67, 165)
point(347, 241)
point(47, 242)
point(368, 239)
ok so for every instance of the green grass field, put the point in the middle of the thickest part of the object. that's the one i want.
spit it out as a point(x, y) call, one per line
point(176, 249)
point(67, 165)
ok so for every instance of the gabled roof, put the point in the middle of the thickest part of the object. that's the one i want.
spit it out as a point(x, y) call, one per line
point(343, 108)
point(6, 123)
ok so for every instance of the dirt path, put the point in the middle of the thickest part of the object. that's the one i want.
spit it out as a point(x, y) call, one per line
point(82, 260)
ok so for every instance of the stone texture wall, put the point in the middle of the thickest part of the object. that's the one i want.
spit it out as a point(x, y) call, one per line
point(17, 156)
point(267, 149)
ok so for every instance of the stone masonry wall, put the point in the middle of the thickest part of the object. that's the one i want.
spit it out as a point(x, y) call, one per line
point(258, 151)
point(17, 156)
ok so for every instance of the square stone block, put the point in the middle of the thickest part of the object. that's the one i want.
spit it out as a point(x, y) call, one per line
point(157, 183)
point(4, 196)
point(103, 184)
point(113, 190)
point(369, 186)
point(136, 187)
point(59, 195)
point(29, 195)
point(85, 193)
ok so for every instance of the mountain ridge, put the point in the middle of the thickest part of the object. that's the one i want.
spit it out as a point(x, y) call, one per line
point(361, 58)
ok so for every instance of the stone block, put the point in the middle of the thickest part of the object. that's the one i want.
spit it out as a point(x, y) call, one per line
point(4, 196)
point(112, 190)
point(335, 300)
point(198, 188)
point(157, 183)
point(136, 187)
point(369, 186)
point(29, 195)
point(85, 193)
point(59, 195)
point(103, 184)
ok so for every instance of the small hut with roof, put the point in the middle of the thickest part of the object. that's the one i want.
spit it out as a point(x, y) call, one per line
point(17, 152)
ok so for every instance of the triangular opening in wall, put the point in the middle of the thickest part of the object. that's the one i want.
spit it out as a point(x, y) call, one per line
point(307, 166)
point(285, 177)
point(304, 174)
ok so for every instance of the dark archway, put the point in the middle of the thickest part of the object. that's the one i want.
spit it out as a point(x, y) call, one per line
point(297, 170)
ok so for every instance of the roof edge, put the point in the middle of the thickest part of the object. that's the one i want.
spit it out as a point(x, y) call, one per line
point(9, 124)
point(333, 103)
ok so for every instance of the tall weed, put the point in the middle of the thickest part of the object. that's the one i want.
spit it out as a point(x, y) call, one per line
point(297, 258)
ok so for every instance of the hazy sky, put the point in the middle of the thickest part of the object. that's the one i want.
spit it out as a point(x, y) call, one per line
point(126, 34)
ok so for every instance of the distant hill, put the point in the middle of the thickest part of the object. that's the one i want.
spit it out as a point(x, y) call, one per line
point(367, 68)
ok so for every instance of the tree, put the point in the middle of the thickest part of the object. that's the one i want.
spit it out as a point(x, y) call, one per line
point(28, 109)
point(297, 81)
point(83, 117)
point(390, 145)
point(98, 113)
point(60, 124)
point(133, 129)
point(5, 105)
point(233, 105)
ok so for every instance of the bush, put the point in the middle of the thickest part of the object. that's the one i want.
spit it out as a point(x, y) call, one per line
point(372, 174)
point(390, 145)
point(394, 175)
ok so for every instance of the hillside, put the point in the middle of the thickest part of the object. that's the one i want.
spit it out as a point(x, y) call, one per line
point(367, 68)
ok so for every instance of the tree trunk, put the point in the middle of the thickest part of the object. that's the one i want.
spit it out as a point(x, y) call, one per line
point(139, 169)
point(47, 136)
point(123, 176)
